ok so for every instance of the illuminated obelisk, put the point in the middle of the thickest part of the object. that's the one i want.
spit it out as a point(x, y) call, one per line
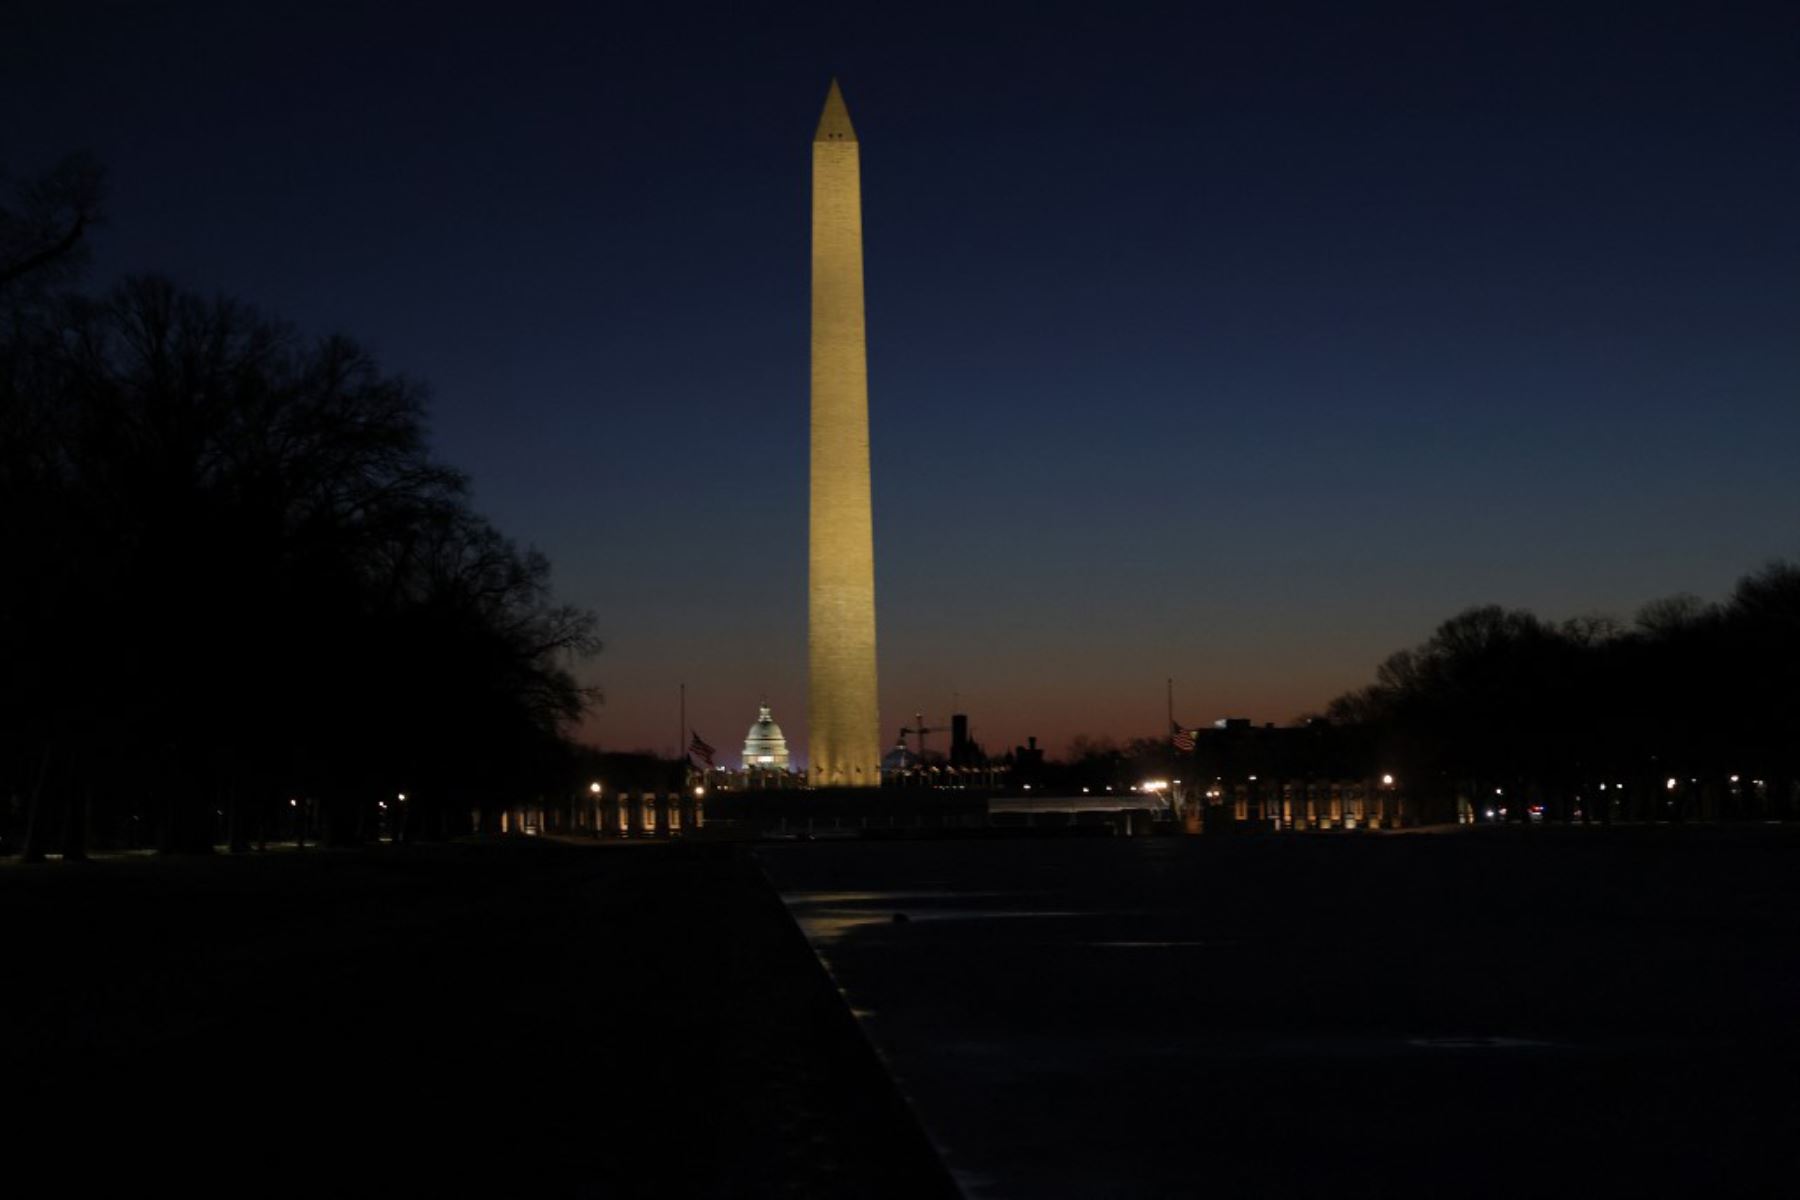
point(843, 739)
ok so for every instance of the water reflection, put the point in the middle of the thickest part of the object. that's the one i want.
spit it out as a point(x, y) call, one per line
point(827, 917)
point(795, 899)
point(1170, 1017)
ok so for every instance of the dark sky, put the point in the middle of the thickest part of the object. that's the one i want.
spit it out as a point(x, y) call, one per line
point(1237, 342)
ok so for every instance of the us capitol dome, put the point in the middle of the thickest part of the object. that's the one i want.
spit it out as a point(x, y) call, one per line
point(764, 747)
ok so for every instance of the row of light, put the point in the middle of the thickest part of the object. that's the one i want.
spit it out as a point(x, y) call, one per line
point(1162, 785)
point(295, 803)
point(594, 790)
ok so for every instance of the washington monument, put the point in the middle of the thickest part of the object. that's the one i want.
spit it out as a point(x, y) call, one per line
point(843, 736)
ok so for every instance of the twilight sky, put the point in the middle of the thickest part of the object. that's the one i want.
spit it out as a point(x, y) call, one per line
point(1234, 342)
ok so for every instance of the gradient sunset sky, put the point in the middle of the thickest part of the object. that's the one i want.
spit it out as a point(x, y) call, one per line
point(1239, 343)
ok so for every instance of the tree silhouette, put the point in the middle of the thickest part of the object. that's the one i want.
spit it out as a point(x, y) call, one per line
point(1694, 710)
point(43, 223)
point(242, 579)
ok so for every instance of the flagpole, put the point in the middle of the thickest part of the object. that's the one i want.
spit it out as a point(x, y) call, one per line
point(1171, 702)
point(681, 738)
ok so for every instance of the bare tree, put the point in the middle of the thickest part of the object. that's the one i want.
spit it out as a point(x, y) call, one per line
point(44, 222)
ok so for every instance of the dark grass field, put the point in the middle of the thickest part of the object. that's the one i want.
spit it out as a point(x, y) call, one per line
point(492, 1018)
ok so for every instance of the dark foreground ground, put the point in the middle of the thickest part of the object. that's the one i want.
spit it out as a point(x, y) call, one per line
point(1503, 1013)
point(517, 1018)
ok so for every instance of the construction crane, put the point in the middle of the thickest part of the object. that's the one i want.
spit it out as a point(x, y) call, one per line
point(919, 729)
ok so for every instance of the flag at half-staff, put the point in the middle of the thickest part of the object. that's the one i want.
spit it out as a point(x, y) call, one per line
point(1181, 739)
point(701, 750)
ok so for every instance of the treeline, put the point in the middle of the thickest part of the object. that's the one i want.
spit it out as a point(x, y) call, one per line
point(1689, 712)
point(241, 600)
point(1692, 711)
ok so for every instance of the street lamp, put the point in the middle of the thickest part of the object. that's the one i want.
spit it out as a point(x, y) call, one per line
point(594, 816)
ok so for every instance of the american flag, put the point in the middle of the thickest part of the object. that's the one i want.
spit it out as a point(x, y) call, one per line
point(701, 750)
point(1183, 739)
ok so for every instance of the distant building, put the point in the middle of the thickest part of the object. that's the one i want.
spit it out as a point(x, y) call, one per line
point(900, 759)
point(1237, 748)
point(1315, 775)
point(1028, 763)
point(764, 747)
point(964, 750)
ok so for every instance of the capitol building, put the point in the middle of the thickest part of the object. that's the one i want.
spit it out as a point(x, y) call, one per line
point(765, 749)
